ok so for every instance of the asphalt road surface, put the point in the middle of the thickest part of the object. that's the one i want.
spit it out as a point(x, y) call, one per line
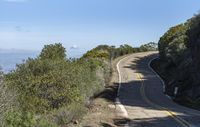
point(142, 99)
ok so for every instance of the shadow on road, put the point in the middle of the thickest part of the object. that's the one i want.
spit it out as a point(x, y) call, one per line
point(130, 96)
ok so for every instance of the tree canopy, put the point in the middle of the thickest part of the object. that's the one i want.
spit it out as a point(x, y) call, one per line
point(53, 52)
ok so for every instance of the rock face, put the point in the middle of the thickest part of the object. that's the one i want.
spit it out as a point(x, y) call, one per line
point(180, 55)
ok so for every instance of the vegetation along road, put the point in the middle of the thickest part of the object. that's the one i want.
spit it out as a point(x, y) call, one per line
point(141, 98)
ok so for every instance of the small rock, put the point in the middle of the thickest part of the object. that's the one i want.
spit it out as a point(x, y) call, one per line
point(76, 122)
point(111, 106)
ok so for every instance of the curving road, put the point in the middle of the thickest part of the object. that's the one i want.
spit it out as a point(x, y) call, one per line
point(141, 97)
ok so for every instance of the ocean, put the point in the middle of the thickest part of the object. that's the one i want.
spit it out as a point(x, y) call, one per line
point(10, 58)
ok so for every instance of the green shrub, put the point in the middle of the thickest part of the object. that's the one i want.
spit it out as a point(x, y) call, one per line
point(55, 88)
point(20, 119)
point(44, 84)
point(26, 119)
point(53, 51)
point(173, 43)
point(45, 123)
point(65, 115)
point(151, 46)
point(47, 84)
point(7, 99)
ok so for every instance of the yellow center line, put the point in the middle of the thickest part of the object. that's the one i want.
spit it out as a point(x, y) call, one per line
point(168, 112)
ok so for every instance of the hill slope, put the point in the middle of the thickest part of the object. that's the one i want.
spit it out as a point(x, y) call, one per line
point(179, 62)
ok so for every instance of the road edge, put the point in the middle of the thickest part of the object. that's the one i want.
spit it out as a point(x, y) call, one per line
point(117, 101)
point(163, 83)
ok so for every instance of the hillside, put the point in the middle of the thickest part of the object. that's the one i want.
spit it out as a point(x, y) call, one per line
point(179, 62)
point(51, 90)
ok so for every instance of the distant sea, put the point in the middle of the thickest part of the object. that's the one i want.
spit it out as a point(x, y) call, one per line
point(9, 58)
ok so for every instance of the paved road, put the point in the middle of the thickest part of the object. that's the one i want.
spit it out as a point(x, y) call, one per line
point(141, 96)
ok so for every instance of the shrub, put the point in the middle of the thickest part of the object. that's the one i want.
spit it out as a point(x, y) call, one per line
point(55, 88)
point(173, 43)
point(20, 119)
point(151, 46)
point(47, 84)
point(44, 84)
point(53, 52)
point(66, 115)
point(45, 123)
point(7, 99)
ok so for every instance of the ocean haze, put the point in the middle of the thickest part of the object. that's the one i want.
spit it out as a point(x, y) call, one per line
point(10, 57)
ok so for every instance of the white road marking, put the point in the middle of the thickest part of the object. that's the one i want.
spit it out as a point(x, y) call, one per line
point(163, 83)
point(118, 103)
point(192, 113)
point(170, 113)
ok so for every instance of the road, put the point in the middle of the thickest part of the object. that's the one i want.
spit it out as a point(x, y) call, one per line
point(141, 97)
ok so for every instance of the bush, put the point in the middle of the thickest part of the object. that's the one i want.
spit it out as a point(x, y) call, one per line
point(53, 88)
point(47, 83)
point(53, 52)
point(7, 99)
point(45, 123)
point(20, 119)
point(105, 52)
point(173, 43)
point(151, 46)
point(44, 84)
point(66, 115)
point(179, 50)
point(26, 119)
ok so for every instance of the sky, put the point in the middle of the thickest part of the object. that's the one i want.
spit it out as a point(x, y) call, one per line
point(83, 24)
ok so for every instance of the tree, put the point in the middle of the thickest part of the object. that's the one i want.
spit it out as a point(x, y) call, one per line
point(53, 52)
point(125, 49)
point(102, 47)
point(173, 43)
point(194, 49)
point(151, 46)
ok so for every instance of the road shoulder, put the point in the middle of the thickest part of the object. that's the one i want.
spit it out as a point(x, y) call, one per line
point(103, 110)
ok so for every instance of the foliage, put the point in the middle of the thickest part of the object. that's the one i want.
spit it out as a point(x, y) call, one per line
point(65, 115)
point(20, 119)
point(151, 46)
point(106, 52)
point(50, 82)
point(7, 99)
point(53, 52)
point(101, 54)
point(125, 49)
point(26, 119)
point(194, 50)
point(52, 88)
point(103, 47)
point(179, 50)
point(173, 43)
point(45, 123)
point(44, 84)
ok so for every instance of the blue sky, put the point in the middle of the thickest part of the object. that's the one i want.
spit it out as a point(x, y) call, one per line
point(83, 24)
